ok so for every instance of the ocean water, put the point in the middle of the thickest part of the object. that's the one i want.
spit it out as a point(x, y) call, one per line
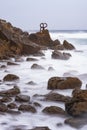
point(75, 66)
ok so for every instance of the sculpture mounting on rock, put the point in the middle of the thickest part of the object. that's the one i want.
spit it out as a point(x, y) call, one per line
point(43, 26)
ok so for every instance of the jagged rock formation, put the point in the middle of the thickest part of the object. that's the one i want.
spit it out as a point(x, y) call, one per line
point(13, 41)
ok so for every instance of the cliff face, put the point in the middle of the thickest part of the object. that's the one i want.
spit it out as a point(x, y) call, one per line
point(13, 41)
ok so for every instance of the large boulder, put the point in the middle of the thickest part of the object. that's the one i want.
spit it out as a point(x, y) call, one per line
point(42, 38)
point(64, 83)
point(77, 105)
point(16, 42)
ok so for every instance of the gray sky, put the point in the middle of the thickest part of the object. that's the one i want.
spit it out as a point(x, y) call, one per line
point(59, 14)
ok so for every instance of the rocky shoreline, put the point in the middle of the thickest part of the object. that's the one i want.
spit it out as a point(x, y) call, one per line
point(14, 43)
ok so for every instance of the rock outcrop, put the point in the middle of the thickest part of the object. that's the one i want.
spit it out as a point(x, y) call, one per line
point(13, 41)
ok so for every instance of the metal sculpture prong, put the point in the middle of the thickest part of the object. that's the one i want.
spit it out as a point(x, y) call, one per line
point(43, 26)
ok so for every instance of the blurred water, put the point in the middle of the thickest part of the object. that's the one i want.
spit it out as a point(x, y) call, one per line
point(76, 66)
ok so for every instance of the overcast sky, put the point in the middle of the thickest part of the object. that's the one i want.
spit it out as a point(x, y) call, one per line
point(59, 14)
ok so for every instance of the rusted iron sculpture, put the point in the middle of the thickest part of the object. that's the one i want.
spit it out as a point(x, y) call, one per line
point(43, 26)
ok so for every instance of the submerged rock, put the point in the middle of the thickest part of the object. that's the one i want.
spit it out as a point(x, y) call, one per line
point(56, 97)
point(60, 55)
point(40, 128)
point(11, 63)
point(22, 98)
point(76, 122)
point(31, 59)
point(36, 66)
point(11, 92)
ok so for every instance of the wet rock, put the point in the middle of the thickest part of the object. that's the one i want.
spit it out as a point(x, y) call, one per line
point(14, 41)
point(31, 83)
point(18, 127)
point(12, 105)
point(76, 107)
point(53, 110)
point(6, 99)
point(76, 122)
point(11, 92)
point(59, 124)
point(3, 66)
point(31, 59)
point(68, 45)
point(57, 97)
point(56, 42)
point(59, 47)
point(80, 94)
point(36, 104)
point(13, 112)
point(60, 55)
point(40, 53)
point(36, 66)
point(50, 69)
point(10, 77)
point(19, 59)
point(42, 38)
point(27, 108)
point(11, 63)
point(3, 108)
point(22, 98)
point(64, 83)
point(40, 128)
